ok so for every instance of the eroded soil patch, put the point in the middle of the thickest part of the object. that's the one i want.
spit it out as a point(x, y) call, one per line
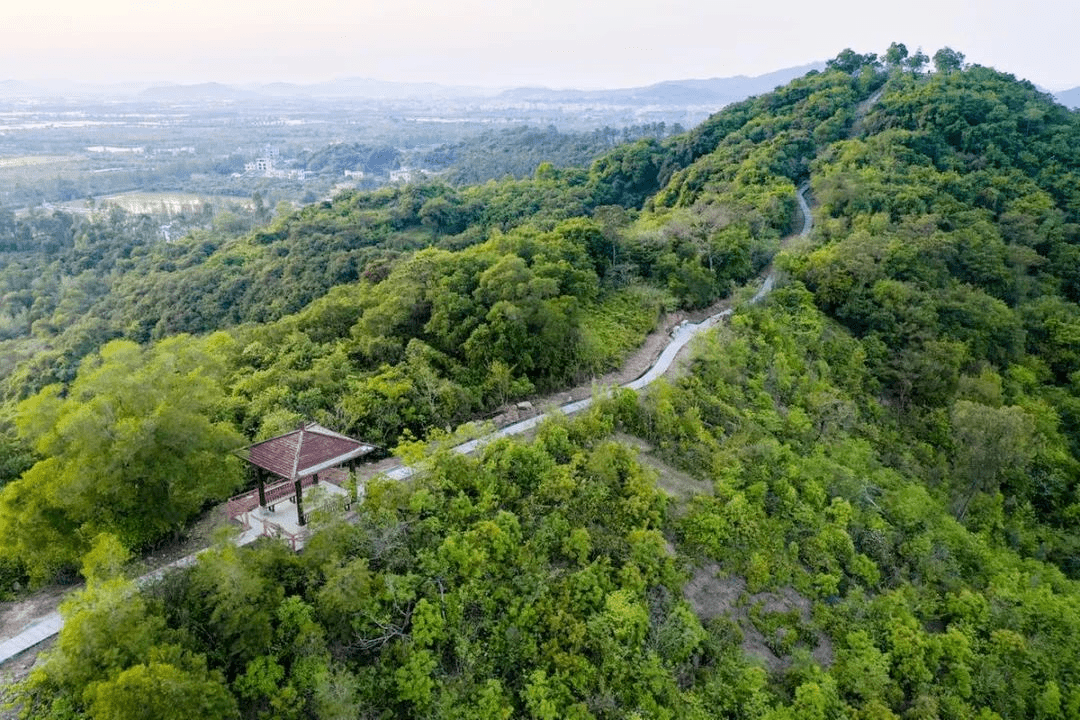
point(773, 624)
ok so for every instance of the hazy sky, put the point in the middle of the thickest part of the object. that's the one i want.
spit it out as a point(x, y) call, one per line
point(558, 43)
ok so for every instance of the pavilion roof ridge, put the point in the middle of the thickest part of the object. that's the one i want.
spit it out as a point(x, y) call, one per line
point(296, 456)
point(299, 453)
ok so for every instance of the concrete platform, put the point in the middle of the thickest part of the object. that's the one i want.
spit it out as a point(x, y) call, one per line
point(280, 519)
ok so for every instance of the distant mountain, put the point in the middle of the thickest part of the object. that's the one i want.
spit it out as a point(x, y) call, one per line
point(1069, 98)
point(201, 91)
point(676, 92)
point(16, 88)
point(713, 92)
point(366, 87)
point(341, 88)
point(54, 89)
point(11, 85)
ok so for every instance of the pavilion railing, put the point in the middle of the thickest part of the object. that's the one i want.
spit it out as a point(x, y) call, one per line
point(238, 506)
point(273, 530)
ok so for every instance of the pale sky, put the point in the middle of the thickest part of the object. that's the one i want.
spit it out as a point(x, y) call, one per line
point(557, 43)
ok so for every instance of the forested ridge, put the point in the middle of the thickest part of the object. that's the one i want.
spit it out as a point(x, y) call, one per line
point(859, 500)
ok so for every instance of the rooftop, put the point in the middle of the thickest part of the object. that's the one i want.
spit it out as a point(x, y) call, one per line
point(310, 449)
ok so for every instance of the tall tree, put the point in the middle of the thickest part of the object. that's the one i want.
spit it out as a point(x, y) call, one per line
point(896, 55)
point(917, 62)
point(989, 444)
point(130, 448)
point(947, 60)
point(851, 62)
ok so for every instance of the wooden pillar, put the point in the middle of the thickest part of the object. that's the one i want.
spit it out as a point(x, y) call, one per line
point(300, 503)
point(260, 476)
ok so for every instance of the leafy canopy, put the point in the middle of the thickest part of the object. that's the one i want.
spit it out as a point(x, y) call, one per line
point(131, 448)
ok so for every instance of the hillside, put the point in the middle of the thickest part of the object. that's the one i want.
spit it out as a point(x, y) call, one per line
point(858, 500)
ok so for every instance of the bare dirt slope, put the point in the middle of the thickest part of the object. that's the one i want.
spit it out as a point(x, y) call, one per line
point(712, 594)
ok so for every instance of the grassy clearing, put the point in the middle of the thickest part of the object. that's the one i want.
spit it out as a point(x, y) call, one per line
point(619, 324)
point(678, 485)
point(23, 173)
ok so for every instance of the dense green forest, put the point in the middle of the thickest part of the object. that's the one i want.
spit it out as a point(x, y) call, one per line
point(516, 152)
point(858, 500)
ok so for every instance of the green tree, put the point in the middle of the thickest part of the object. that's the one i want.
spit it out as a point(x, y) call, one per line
point(862, 671)
point(896, 55)
point(130, 448)
point(627, 175)
point(108, 626)
point(989, 445)
point(851, 62)
point(163, 691)
point(947, 60)
point(917, 62)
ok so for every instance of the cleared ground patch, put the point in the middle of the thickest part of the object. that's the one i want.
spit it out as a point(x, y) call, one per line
point(773, 624)
point(680, 486)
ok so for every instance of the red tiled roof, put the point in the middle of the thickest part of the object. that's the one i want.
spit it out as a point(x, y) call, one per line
point(303, 452)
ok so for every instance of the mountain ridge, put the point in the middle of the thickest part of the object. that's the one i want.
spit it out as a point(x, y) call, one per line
point(701, 91)
point(710, 91)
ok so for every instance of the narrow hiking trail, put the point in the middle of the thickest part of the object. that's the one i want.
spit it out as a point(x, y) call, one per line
point(27, 623)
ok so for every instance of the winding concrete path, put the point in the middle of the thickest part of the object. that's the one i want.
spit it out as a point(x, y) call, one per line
point(45, 627)
point(39, 630)
point(680, 338)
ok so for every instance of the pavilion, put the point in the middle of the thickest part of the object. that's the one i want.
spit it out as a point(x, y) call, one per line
point(284, 465)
